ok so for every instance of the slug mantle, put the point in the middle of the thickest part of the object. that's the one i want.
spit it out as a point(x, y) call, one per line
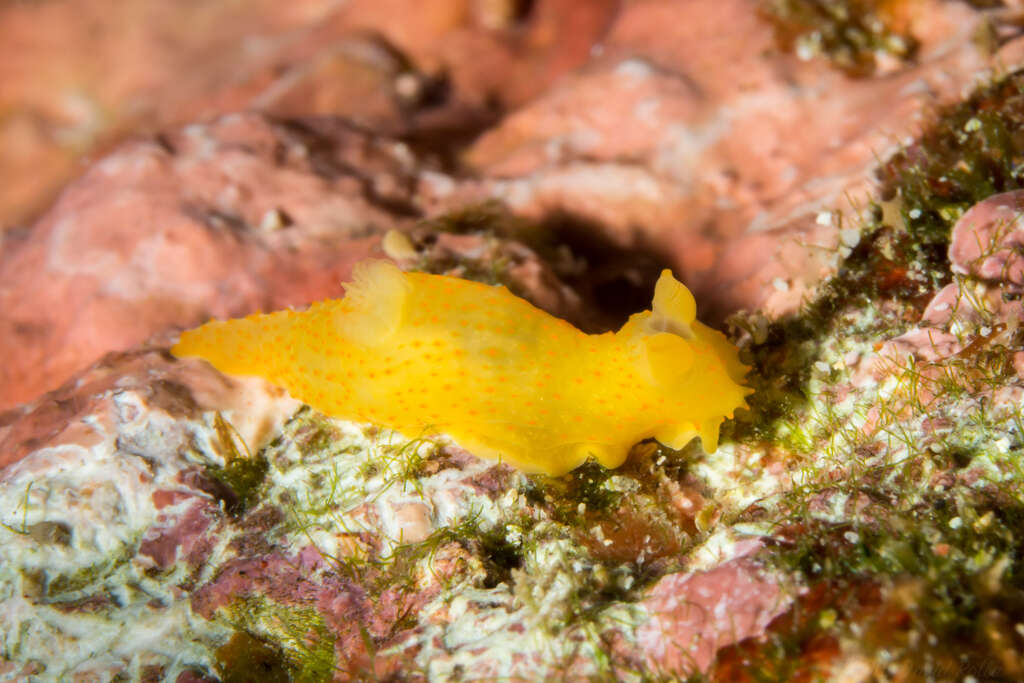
point(429, 353)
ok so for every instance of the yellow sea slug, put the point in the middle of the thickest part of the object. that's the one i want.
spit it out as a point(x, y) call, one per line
point(507, 381)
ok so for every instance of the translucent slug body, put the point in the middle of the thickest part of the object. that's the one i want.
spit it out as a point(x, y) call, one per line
point(429, 354)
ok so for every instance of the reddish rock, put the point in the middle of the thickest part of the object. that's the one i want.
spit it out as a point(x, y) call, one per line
point(181, 536)
point(119, 453)
point(352, 615)
point(914, 354)
point(216, 220)
point(77, 76)
point(277, 578)
point(60, 418)
point(694, 615)
point(973, 304)
point(946, 306)
point(192, 677)
point(499, 53)
point(85, 410)
point(85, 464)
point(987, 240)
point(922, 344)
point(343, 606)
point(74, 75)
point(695, 140)
point(163, 498)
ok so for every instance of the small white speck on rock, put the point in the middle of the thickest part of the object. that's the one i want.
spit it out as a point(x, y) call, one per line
point(273, 220)
point(850, 237)
point(634, 68)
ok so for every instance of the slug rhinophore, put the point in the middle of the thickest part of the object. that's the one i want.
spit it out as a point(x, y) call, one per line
point(428, 354)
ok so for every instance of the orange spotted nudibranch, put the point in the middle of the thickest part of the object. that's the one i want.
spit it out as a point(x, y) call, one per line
point(429, 353)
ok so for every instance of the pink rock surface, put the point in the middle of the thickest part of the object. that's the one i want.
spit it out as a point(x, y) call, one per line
point(83, 410)
point(215, 220)
point(77, 76)
point(180, 536)
point(974, 304)
point(921, 344)
point(73, 76)
point(694, 615)
point(912, 354)
point(987, 240)
point(502, 52)
point(697, 141)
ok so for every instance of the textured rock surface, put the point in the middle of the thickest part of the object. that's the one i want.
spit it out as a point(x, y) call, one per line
point(76, 76)
point(171, 506)
point(695, 615)
point(987, 240)
point(860, 522)
point(716, 152)
point(213, 220)
point(106, 500)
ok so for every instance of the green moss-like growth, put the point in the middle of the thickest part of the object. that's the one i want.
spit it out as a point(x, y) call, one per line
point(490, 221)
point(850, 33)
point(279, 641)
point(500, 549)
point(245, 658)
point(242, 474)
point(935, 587)
point(98, 577)
point(489, 217)
point(584, 486)
point(974, 149)
point(242, 478)
point(562, 587)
